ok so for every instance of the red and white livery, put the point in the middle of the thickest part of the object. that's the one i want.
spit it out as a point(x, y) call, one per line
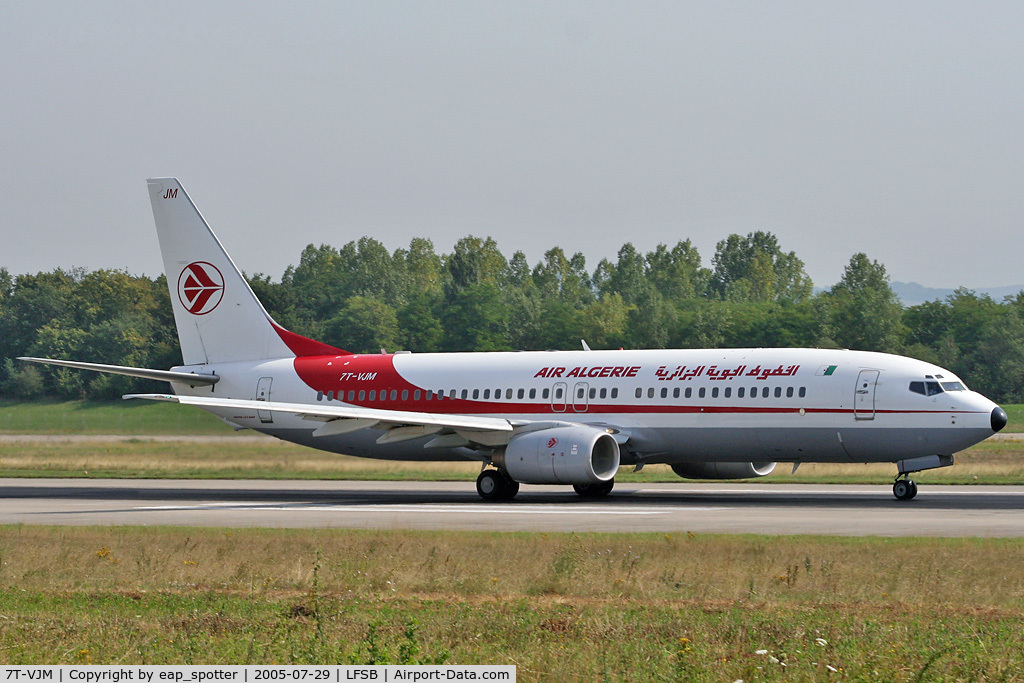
point(547, 417)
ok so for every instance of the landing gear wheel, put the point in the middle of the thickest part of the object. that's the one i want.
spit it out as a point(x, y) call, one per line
point(495, 485)
point(594, 490)
point(904, 489)
point(488, 485)
point(509, 487)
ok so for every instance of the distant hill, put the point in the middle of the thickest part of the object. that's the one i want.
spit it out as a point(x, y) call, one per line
point(911, 293)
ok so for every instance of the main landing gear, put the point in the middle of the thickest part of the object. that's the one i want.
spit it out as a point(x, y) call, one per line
point(904, 488)
point(496, 485)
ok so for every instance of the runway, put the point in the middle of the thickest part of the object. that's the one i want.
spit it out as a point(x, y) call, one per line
point(996, 511)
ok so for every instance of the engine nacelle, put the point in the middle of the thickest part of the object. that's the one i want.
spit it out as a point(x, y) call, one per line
point(723, 470)
point(563, 455)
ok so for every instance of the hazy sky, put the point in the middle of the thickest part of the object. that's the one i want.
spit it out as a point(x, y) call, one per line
point(896, 129)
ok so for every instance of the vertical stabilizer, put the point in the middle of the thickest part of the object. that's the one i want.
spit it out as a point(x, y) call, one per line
point(218, 316)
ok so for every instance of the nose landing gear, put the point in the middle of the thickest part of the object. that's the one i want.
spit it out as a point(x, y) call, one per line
point(904, 488)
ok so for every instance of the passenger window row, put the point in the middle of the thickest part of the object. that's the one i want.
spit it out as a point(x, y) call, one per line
point(741, 392)
point(594, 393)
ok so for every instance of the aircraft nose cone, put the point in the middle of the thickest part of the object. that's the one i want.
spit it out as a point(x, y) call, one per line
point(998, 419)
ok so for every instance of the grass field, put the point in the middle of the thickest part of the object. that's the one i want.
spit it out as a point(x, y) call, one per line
point(582, 607)
point(107, 417)
point(988, 463)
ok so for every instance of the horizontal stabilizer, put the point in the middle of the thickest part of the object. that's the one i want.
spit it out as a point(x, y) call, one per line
point(145, 373)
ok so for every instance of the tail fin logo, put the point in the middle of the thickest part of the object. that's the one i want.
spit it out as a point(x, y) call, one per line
point(200, 287)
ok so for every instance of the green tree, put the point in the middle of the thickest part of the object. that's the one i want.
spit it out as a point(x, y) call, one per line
point(677, 274)
point(754, 268)
point(364, 325)
point(866, 314)
point(474, 319)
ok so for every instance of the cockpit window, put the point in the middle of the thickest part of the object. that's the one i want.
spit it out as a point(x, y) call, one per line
point(953, 386)
point(933, 388)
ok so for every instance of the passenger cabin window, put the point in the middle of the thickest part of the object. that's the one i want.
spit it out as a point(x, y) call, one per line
point(639, 392)
point(615, 393)
point(650, 393)
point(675, 393)
point(465, 394)
point(394, 394)
point(352, 395)
point(319, 395)
point(533, 393)
point(519, 394)
point(803, 391)
point(778, 392)
point(701, 392)
point(689, 392)
point(373, 395)
point(728, 392)
point(593, 393)
point(739, 392)
point(664, 392)
point(362, 395)
point(415, 395)
point(764, 392)
point(789, 392)
point(405, 394)
point(546, 393)
point(508, 393)
point(714, 392)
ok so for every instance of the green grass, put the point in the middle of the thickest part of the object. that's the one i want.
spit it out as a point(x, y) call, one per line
point(1015, 414)
point(587, 607)
point(987, 463)
point(107, 417)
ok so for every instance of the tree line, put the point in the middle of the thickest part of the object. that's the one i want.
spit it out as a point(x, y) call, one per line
point(364, 298)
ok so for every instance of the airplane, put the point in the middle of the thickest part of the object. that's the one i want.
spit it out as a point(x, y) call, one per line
point(545, 417)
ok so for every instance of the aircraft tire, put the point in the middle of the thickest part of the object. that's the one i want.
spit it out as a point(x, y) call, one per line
point(490, 485)
point(594, 490)
point(509, 487)
point(904, 489)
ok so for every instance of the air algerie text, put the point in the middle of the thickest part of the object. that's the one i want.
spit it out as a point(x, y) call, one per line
point(584, 371)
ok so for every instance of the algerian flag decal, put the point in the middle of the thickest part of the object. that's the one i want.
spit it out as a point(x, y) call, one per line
point(826, 370)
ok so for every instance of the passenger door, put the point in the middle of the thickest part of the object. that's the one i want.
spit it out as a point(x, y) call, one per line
point(864, 397)
point(263, 394)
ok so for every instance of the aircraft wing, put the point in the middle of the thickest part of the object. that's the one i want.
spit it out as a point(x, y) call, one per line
point(400, 425)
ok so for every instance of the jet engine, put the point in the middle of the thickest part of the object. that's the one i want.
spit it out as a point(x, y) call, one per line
point(562, 455)
point(723, 470)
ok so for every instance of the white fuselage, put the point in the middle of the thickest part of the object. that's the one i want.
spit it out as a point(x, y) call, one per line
point(729, 405)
